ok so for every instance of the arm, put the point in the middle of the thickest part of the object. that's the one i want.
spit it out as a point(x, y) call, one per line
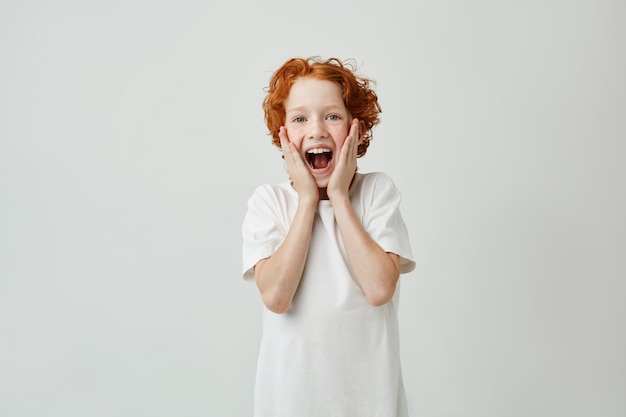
point(376, 271)
point(279, 275)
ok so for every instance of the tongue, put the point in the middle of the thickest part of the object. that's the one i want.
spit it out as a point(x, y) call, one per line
point(320, 161)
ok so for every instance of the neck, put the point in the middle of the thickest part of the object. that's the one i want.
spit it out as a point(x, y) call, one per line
point(323, 194)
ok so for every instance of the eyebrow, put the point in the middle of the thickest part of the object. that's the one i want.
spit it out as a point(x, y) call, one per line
point(302, 108)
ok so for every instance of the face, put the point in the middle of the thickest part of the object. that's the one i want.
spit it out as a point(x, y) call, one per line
point(317, 123)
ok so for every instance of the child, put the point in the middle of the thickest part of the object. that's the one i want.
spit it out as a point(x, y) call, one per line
point(326, 249)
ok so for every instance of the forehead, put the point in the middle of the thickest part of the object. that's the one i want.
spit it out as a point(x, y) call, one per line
point(314, 92)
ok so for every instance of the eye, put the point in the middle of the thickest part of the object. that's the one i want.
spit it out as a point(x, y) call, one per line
point(299, 119)
point(333, 117)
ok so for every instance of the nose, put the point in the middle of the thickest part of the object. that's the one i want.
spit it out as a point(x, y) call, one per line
point(317, 129)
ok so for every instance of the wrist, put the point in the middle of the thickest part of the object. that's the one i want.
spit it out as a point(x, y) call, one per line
point(339, 198)
point(308, 201)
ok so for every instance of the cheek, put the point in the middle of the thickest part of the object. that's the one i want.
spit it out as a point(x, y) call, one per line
point(340, 136)
point(339, 141)
point(294, 136)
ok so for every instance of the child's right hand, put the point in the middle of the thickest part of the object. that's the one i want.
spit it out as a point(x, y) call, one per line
point(298, 170)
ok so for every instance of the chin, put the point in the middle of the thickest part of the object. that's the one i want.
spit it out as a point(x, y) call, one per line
point(322, 179)
point(322, 182)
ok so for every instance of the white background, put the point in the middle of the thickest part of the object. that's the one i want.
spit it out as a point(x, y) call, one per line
point(132, 135)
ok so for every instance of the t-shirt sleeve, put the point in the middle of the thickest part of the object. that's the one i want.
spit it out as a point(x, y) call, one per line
point(384, 223)
point(262, 229)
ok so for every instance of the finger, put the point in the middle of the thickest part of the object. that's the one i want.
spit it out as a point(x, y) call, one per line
point(357, 135)
point(354, 140)
point(287, 147)
point(344, 154)
point(284, 142)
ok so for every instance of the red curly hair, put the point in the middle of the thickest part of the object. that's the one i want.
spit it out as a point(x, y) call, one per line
point(358, 97)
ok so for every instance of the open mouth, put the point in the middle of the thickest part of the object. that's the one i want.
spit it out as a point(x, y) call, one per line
point(319, 158)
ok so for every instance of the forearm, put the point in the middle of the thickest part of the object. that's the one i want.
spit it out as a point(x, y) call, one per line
point(279, 275)
point(376, 271)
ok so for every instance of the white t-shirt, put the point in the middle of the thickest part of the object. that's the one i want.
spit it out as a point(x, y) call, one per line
point(332, 354)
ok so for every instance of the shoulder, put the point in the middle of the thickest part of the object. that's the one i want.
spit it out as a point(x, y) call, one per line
point(272, 194)
point(266, 190)
point(373, 190)
point(375, 182)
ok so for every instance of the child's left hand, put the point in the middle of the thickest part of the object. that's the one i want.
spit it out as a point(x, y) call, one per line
point(345, 169)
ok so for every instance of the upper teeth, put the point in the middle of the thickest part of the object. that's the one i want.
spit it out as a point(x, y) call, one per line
point(318, 150)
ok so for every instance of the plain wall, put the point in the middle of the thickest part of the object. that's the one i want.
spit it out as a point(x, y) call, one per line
point(132, 135)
